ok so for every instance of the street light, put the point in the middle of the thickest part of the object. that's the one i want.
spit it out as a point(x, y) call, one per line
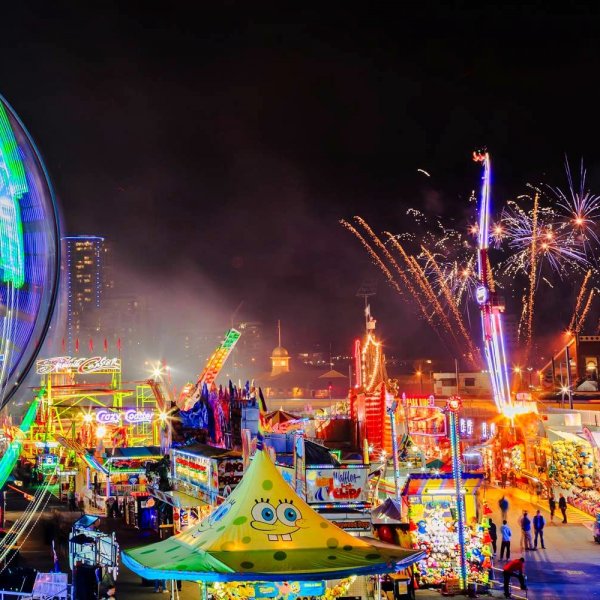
point(530, 369)
point(519, 372)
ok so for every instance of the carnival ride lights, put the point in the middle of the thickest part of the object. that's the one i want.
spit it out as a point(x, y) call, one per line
point(191, 394)
point(29, 252)
point(491, 312)
point(370, 371)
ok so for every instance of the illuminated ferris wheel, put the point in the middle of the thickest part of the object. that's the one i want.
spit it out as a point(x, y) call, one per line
point(29, 252)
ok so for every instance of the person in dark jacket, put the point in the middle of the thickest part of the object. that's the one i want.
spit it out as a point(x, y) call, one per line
point(552, 506)
point(503, 504)
point(562, 504)
point(493, 535)
point(538, 529)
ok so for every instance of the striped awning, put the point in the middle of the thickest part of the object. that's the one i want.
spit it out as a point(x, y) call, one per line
point(439, 485)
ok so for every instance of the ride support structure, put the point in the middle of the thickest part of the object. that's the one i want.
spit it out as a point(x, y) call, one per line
point(489, 303)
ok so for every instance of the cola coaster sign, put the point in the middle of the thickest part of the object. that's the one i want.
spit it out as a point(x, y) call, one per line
point(78, 364)
point(128, 416)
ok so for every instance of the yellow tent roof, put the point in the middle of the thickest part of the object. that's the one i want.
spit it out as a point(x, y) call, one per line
point(265, 531)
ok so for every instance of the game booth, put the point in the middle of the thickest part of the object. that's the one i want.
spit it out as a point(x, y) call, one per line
point(430, 504)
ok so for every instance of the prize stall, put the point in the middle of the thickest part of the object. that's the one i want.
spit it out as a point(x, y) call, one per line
point(430, 503)
point(202, 477)
point(572, 462)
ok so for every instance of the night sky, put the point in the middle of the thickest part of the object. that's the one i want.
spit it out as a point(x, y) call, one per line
point(217, 147)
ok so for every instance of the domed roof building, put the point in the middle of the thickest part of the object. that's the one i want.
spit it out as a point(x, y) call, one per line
point(280, 357)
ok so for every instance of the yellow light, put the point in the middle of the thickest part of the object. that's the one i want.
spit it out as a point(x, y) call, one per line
point(156, 373)
point(100, 431)
point(163, 416)
point(517, 369)
point(579, 221)
point(418, 373)
point(88, 417)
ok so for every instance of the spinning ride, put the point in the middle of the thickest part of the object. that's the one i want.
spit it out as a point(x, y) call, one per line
point(491, 307)
point(29, 252)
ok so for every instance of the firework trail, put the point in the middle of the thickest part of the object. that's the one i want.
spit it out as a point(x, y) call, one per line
point(373, 256)
point(451, 303)
point(532, 276)
point(422, 282)
point(579, 300)
point(585, 311)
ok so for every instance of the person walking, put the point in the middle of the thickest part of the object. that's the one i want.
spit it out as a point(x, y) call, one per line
point(505, 534)
point(514, 568)
point(503, 504)
point(562, 505)
point(538, 528)
point(525, 524)
point(552, 506)
point(493, 535)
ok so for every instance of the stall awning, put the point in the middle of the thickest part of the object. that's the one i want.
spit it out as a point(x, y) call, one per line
point(176, 498)
point(565, 435)
point(439, 485)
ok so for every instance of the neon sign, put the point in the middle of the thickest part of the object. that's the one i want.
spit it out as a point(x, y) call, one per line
point(131, 417)
point(78, 364)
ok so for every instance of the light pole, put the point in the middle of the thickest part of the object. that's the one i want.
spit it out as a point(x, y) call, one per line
point(452, 408)
point(420, 374)
point(530, 369)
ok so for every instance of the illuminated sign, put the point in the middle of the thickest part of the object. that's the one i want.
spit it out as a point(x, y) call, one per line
point(130, 416)
point(482, 294)
point(288, 589)
point(78, 364)
point(337, 485)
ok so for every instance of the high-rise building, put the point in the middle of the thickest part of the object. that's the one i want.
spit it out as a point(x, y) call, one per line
point(84, 270)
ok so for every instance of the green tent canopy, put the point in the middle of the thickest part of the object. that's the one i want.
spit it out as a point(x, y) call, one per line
point(265, 532)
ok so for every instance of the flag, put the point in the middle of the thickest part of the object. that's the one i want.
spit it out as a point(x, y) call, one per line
point(55, 559)
point(105, 346)
point(119, 344)
point(76, 344)
point(262, 424)
point(91, 345)
point(64, 346)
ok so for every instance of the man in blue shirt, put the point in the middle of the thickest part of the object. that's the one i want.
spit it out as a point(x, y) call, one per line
point(505, 545)
point(526, 542)
point(538, 528)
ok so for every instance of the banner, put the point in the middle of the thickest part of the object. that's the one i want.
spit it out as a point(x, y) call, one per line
point(335, 485)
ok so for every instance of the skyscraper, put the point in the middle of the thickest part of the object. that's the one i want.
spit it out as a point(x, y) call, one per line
point(85, 280)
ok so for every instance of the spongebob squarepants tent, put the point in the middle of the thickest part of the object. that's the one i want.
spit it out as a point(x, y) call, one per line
point(265, 532)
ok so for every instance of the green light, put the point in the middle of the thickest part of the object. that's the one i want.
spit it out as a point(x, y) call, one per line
point(12, 186)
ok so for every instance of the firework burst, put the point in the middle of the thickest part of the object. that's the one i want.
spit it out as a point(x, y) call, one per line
point(579, 207)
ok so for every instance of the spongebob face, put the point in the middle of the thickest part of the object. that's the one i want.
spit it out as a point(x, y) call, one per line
point(279, 522)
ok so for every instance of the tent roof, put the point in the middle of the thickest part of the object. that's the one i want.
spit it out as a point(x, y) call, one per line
point(280, 416)
point(265, 532)
point(388, 512)
point(333, 374)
